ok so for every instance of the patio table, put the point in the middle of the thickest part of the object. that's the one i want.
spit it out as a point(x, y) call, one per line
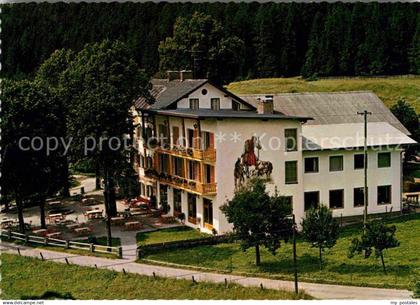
point(54, 203)
point(82, 230)
point(41, 232)
point(72, 226)
point(54, 235)
point(6, 223)
point(117, 220)
point(94, 214)
point(133, 225)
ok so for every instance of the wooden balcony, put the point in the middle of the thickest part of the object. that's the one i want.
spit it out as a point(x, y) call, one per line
point(189, 185)
point(208, 155)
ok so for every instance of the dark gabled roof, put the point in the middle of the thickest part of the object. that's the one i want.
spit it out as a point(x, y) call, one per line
point(165, 92)
point(332, 107)
point(223, 114)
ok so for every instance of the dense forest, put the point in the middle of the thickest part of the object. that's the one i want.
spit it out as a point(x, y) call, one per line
point(276, 39)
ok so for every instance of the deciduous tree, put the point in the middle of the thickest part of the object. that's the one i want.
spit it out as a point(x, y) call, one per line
point(377, 237)
point(320, 229)
point(259, 219)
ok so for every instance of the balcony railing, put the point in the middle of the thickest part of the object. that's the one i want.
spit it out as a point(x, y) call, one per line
point(208, 155)
point(189, 185)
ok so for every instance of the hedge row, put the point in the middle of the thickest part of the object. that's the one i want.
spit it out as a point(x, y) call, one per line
point(182, 244)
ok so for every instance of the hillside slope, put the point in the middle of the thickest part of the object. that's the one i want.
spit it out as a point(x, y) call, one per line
point(388, 89)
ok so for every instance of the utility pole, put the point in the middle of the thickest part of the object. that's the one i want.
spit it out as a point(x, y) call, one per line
point(294, 256)
point(365, 165)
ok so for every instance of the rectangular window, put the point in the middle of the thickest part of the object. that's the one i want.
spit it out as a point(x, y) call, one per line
point(190, 134)
point(384, 159)
point(163, 135)
point(358, 197)
point(290, 136)
point(336, 163)
point(359, 161)
point(163, 192)
point(175, 135)
point(336, 199)
point(178, 167)
point(215, 103)
point(208, 173)
point(311, 165)
point(177, 200)
point(291, 172)
point(311, 200)
point(142, 189)
point(208, 211)
point(193, 168)
point(235, 106)
point(384, 194)
point(192, 207)
point(208, 140)
point(164, 163)
point(194, 103)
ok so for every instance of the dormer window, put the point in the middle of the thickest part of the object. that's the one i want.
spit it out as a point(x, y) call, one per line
point(215, 103)
point(194, 103)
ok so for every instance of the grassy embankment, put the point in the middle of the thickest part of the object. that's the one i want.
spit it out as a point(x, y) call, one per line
point(166, 235)
point(388, 89)
point(403, 263)
point(30, 278)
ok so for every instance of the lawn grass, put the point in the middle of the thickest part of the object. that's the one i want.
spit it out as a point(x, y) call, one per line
point(403, 263)
point(388, 89)
point(30, 278)
point(170, 234)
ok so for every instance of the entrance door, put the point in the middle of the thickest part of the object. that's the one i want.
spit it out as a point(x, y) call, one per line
point(208, 213)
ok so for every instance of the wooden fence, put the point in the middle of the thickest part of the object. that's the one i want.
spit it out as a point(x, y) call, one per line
point(66, 244)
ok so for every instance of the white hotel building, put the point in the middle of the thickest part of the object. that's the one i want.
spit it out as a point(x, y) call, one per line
point(209, 141)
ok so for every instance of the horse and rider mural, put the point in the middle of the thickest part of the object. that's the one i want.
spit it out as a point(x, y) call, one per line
point(249, 165)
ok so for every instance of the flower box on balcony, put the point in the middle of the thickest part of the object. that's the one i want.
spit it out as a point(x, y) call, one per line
point(192, 220)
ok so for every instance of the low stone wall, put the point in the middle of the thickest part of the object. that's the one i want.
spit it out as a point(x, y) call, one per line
point(182, 244)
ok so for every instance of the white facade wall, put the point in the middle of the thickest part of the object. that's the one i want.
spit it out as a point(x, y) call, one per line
point(212, 92)
point(271, 135)
point(351, 178)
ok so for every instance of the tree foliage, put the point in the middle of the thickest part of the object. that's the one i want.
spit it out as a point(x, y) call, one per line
point(30, 171)
point(376, 238)
point(278, 39)
point(259, 219)
point(199, 43)
point(320, 229)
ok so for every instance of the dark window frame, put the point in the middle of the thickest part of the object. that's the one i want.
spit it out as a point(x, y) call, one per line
point(194, 103)
point(288, 137)
point(317, 165)
point(389, 188)
point(356, 161)
point(342, 163)
point(217, 101)
point(291, 181)
point(389, 163)
point(336, 207)
point(362, 194)
point(305, 194)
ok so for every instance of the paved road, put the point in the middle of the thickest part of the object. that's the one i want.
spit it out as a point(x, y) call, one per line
point(320, 291)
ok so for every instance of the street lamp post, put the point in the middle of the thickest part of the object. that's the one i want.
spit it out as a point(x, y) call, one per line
point(365, 165)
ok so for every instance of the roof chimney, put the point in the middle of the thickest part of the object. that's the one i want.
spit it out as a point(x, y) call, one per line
point(185, 74)
point(265, 105)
